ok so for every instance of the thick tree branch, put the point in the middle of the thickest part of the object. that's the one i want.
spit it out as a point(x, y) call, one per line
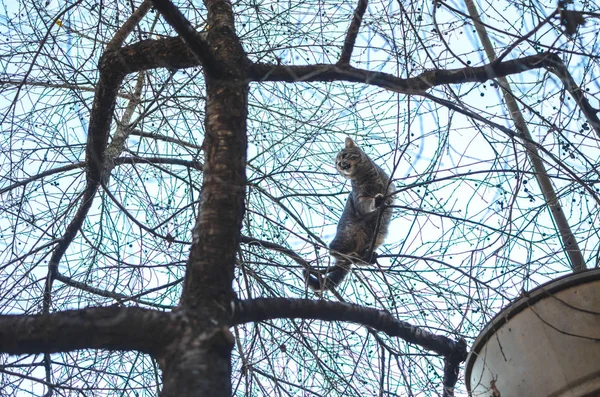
point(192, 38)
point(172, 53)
point(352, 33)
point(100, 119)
point(413, 85)
point(270, 308)
point(452, 368)
point(111, 328)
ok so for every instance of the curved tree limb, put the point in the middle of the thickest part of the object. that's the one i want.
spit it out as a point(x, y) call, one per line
point(102, 112)
point(193, 40)
point(145, 330)
point(270, 308)
point(100, 120)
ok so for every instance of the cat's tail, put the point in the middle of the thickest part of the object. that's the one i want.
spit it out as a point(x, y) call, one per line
point(320, 282)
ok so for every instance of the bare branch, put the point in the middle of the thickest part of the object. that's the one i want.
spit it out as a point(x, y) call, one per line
point(352, 33)
point(452, 368)
point(128, 26)
point(591, 114)
point(42, 175)
point(276, 247)
point(137, 222)
point(522, 38)
point(193, 164)
point(254, 310)
point(118, 161)
point(121, 298)
point(192, 38)
point(121, 134)
point(75, 87)
point(165, 138)
point(414, 85)
point(111, 328)
point(514, 135)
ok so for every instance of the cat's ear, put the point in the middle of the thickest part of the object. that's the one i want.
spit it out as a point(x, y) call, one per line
point(349, 143)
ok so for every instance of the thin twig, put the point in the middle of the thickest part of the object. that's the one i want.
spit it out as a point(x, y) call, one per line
point(75, 87)
point(525, 37)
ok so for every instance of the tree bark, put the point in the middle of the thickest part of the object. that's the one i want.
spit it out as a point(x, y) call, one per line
point(198, 362)
point(110, 328)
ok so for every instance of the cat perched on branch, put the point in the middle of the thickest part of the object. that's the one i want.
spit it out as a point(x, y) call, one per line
point(364, 223)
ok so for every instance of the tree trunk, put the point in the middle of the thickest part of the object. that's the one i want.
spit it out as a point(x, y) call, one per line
point(198, 362)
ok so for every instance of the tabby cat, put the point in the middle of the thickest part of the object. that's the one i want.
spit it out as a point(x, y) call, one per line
point(355, 240)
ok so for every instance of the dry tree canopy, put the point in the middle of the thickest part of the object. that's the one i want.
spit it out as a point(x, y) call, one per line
point(166, 164)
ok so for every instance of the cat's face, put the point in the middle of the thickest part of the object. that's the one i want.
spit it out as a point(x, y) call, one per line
point(349, 159)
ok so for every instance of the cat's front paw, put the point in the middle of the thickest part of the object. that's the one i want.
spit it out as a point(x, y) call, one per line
point(372, 260)
point(379, 200)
